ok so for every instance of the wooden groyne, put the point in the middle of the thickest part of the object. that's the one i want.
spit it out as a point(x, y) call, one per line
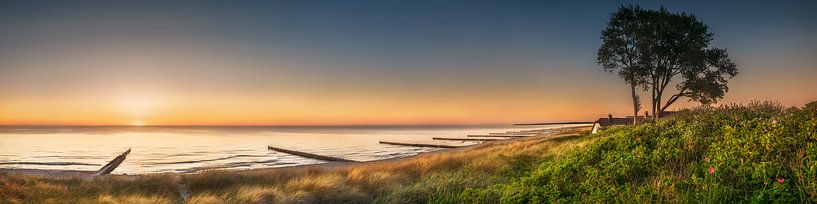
point(536, 131)
point(419, 144)
point(467, 139)
point(310, 155)
point(514, 133)
point(500, 135)
point(108, 168)
point(557, 123)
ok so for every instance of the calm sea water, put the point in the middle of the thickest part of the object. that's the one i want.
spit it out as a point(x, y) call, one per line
point(191, 149)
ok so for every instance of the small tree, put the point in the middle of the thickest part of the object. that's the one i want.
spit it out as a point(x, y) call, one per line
point(668, 46)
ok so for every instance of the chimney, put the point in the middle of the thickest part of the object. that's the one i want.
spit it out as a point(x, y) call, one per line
point(610, 118)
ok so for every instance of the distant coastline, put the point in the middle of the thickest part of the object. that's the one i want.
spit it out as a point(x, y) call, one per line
point(555, 123)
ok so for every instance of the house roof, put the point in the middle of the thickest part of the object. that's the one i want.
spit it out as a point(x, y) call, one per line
point(614, 121)
point(604, 122)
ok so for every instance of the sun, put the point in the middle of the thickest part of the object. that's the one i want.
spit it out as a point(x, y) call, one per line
point(136, 107)
point(137, 123)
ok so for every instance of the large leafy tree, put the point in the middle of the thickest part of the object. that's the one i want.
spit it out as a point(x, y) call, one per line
point(667, 46)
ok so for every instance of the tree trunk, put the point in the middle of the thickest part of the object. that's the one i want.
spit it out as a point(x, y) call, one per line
point(652, 101)
point(635, 103)
point(657, 113)
point(671, 101)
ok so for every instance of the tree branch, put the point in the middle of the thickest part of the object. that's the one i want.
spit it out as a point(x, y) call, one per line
point(675, 98)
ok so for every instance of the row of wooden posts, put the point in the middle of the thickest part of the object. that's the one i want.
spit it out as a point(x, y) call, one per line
point(480, 138)
point(110, 166)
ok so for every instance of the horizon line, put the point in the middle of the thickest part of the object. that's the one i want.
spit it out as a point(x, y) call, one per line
point(305, 125)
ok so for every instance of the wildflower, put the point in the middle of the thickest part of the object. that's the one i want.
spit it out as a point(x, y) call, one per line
point(712, 170)
point(780, 180)
point(765, 183)
point(707, 158)
point(774, 122)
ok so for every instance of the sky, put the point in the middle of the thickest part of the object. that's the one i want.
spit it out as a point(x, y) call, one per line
point(360, 62)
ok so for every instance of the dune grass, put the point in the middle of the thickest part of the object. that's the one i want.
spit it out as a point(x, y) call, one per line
point(19, 188)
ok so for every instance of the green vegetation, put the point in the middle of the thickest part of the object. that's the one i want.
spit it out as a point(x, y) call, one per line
point(756, 153)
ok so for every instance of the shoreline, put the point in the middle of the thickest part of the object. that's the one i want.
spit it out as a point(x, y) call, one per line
point(558, 132)
point(555, 123)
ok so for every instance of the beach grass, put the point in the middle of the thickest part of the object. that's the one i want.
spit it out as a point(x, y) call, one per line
point(22, 188)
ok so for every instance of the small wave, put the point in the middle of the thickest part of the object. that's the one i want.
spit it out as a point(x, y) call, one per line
point(205, 160)
point(49, 163)
point(72, 157)
point(272, 162)
point(249, 163)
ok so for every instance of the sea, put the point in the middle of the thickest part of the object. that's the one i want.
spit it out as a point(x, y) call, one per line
point(161, 149)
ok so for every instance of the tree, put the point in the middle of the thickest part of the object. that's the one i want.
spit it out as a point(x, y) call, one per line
point(620, 52)
point(669, 46)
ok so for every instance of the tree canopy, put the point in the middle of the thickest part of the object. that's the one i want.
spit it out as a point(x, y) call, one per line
point(651, 48)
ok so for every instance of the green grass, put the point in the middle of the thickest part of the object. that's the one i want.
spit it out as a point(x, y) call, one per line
point(758, 153)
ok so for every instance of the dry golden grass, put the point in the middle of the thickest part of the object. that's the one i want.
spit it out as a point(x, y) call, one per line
point(21, 188)
point(109, 199)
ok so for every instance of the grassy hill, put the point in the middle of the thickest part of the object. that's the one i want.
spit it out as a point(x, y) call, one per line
point(759, 152)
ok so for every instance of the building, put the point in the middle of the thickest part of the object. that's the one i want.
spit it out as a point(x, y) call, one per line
point(610, 121)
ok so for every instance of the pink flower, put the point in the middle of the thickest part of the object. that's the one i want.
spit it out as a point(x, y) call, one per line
point(707, 158)
point(712, 170)
point(780, 180)
point(774, 122)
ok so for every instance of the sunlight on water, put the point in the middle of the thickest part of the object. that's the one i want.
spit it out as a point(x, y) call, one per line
point(191, 149)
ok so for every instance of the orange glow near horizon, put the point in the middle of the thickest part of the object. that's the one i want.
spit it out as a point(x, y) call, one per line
point(326, 111)
point(264, 112)
point(154, 96)
point(145, 97)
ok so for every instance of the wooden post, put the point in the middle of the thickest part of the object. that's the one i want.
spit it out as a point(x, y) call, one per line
point(419, 144)
point(108, 168)
point(310, 155)
point(467, 139)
